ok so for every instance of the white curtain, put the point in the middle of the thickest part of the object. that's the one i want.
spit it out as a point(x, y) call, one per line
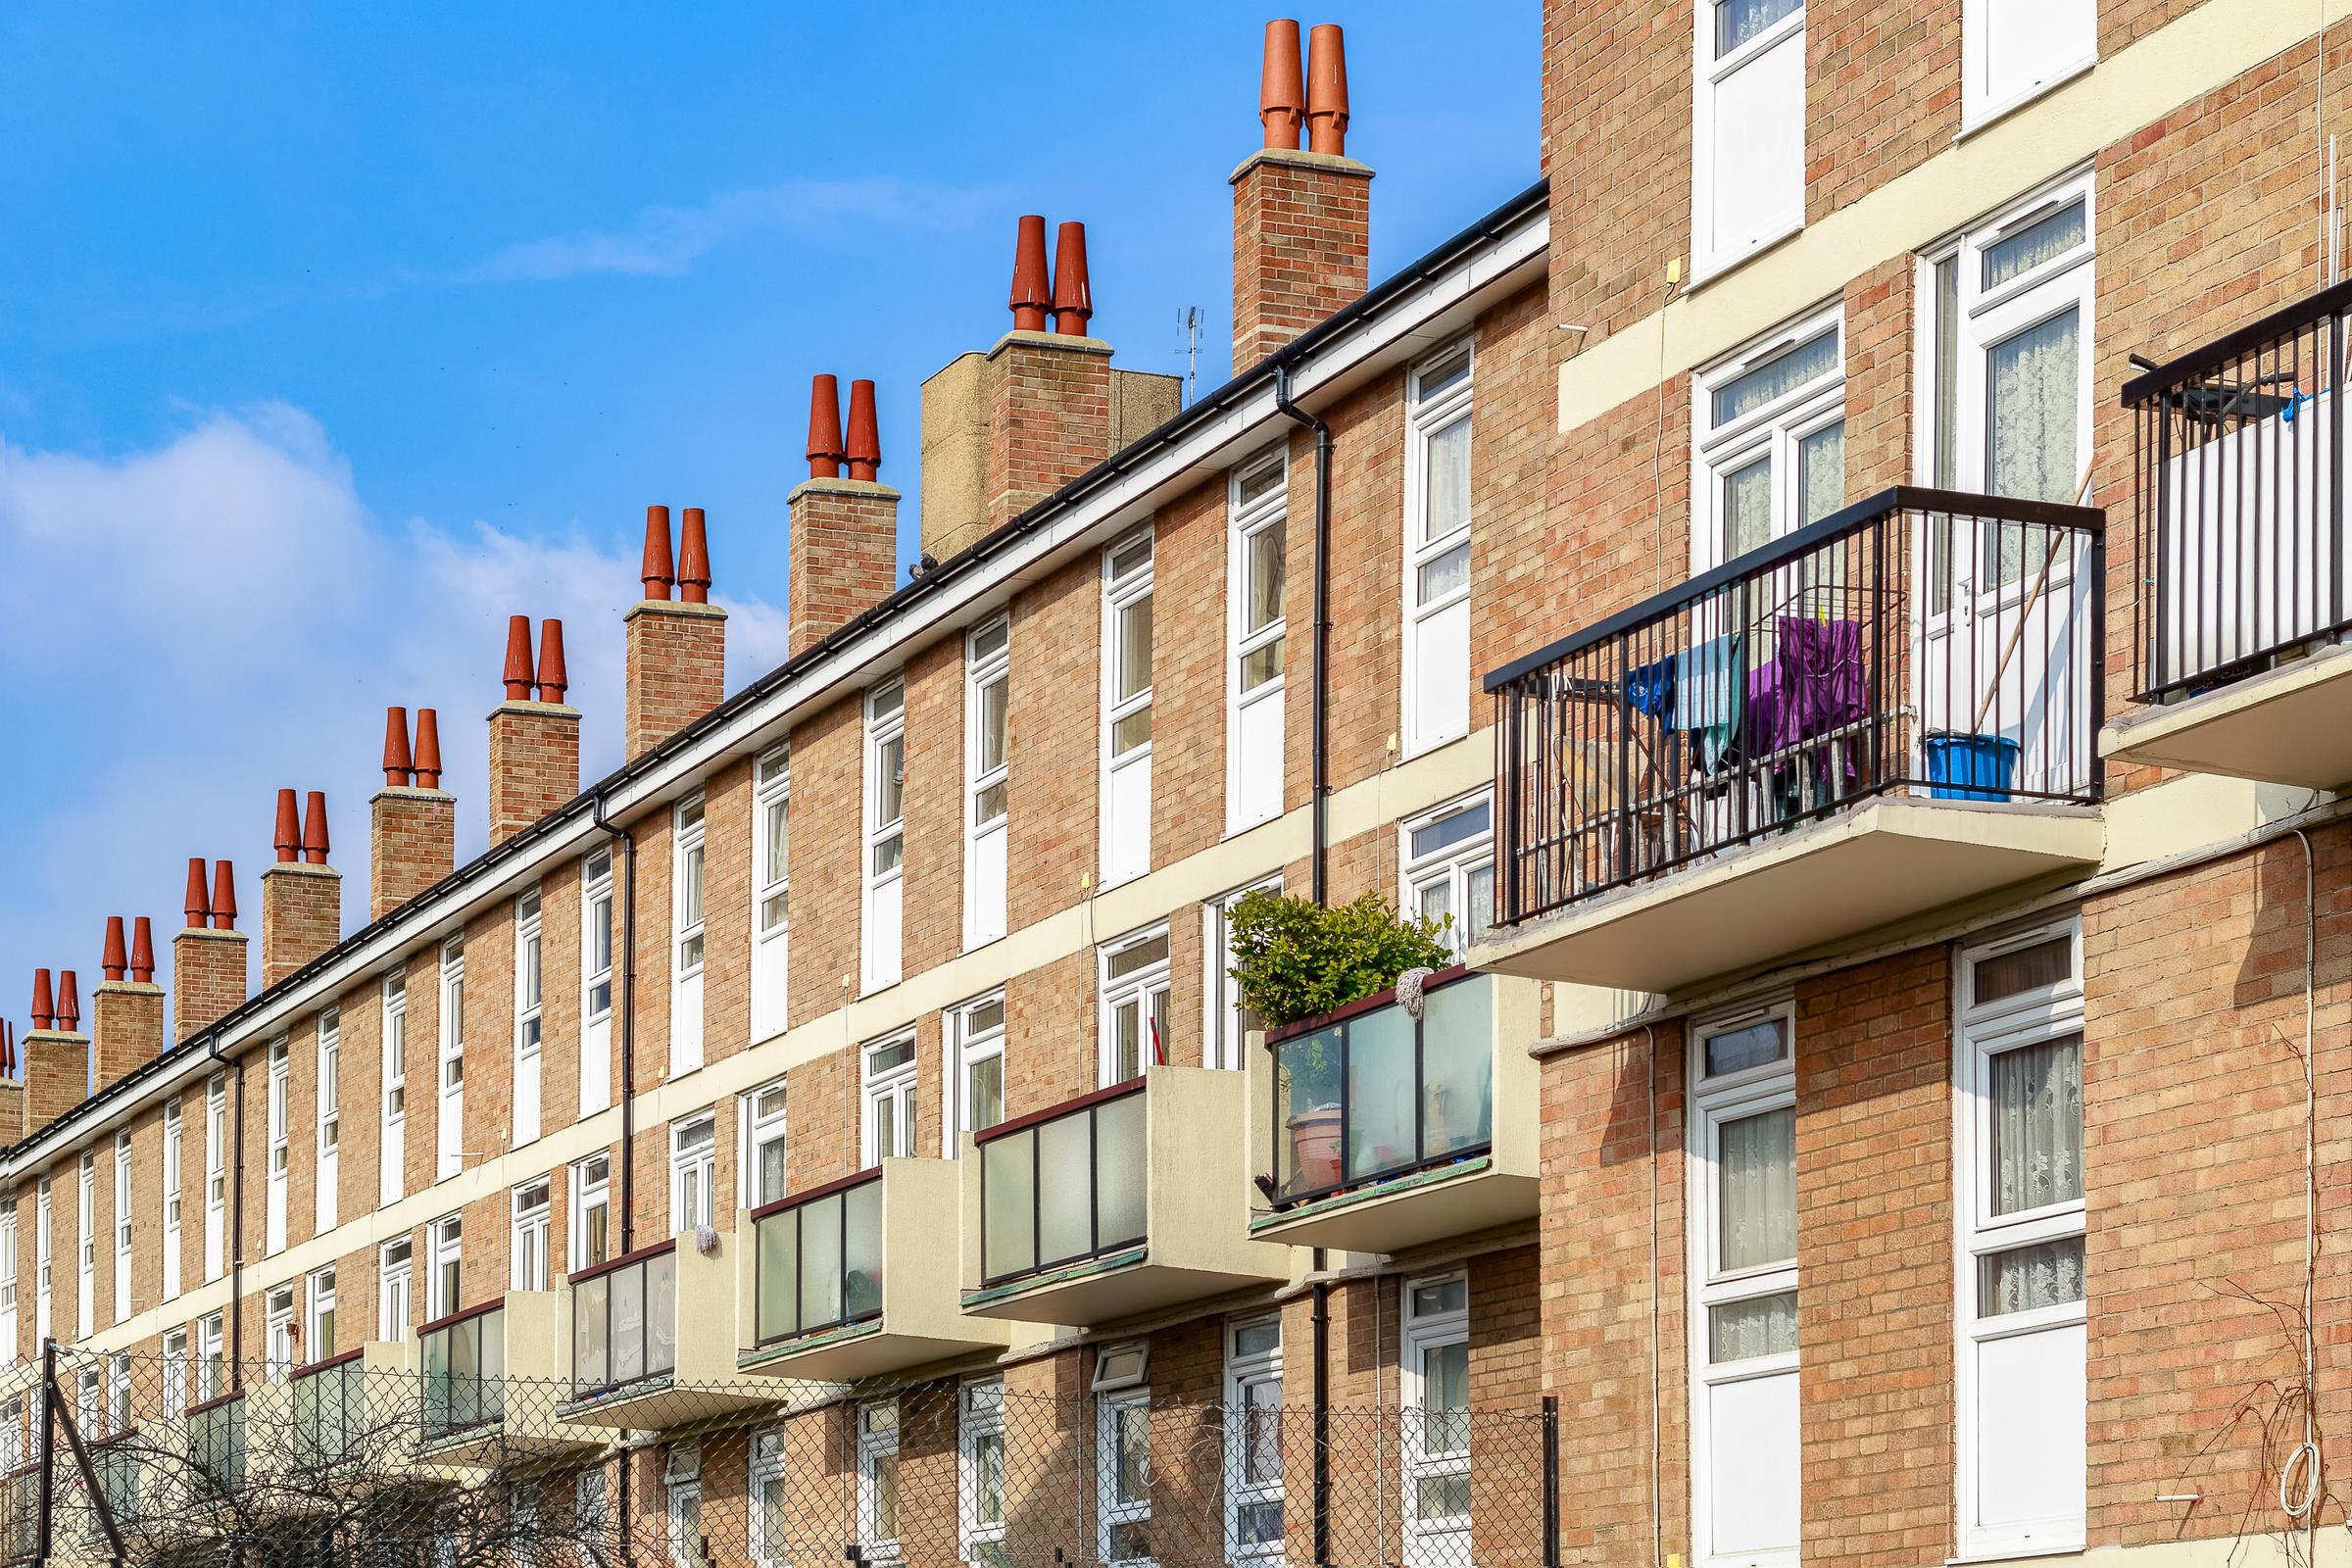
point(2024, 1278)
point(1757, 1162)
point(2037, 380)
point(2038, 1125)
point(1762, 1325)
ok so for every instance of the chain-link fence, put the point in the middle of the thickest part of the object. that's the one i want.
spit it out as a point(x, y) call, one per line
point(143, 1459)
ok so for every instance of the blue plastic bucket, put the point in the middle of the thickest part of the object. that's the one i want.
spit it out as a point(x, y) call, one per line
point(1971, 768)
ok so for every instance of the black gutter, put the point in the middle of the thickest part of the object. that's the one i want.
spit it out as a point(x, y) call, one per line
point(626, 958)
point(1520, 208)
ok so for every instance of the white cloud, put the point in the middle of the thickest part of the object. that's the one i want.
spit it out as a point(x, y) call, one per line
point(199, 623)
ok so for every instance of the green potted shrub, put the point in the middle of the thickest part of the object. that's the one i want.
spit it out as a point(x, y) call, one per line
point(1294, 959)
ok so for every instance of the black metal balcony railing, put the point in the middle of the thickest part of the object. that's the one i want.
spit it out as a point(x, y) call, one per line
point(624, 1321)
point(463, 1367)
point(1371, 1093)
point(330, 1410)
point(819, 1260)
point(1062, 1185)
point(2238, 503)
point(1920, 641)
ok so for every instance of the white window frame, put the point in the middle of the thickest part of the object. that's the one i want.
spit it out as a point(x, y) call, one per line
point(395, 1287)
point(1715, 1101)
point(768, 1468)
point(212, 1371)
point(682, 1502)
point(588, 1493)
point(689, 937)
point(1712, 254)
point(1456, 866)
point(765, 1115)
point(980, 1416)
point(449, 1079)
point(44, 1261)
point(1426, 417)
point(318, 1316)
point(591, 1194)
point(1775, 432)
point(1224, 1019)
point(1125, 852)
point(530, 1262)
point(85, 1245)
point(888, 1097)
point(1249, 801)
point(597, 929)
point(883, 869)
point(8, 1281)
point(1112, 1509)
point(694, 1171)
point(530, 1027)
point(278, 1333)
point(122, 1218)
point(215, 1177)
point(877, 1447)
point(176, 1145)
point(1981, 101)
point(1247, 1373)
point(986, 787)
point(1145, 988)
point(1984, 1032)
point(444, 1266)
point(278, 1135)
point(772, 894)
point(1440, 1540)
point(392, 1139)
point(976, 1034)
point(331, 1120)
point(176, 1371)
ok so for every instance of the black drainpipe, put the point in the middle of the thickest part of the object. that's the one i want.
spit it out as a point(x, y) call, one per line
point(625, 938)
point(1317, 788)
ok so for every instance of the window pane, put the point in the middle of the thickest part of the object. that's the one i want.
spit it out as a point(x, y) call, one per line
point(1740, 1331)
point(1468, 823)
point(2038, 1126)
point(1747, 507)
point(2032, 968)
point(1262, 664)
point(779, 838)
point(2045, 241)
point(1821, 472)
point(984, 1092)
point(1132, 1449)
point(2028, 1277)
point(1748, 1046)
point(1443, 377)
point(1262, 562)
point(1131, 558)
point(1443, 575)
point(883, 1059)
point(1482, 903)
point(1138, 955)
point(889, 780)
point(989, 805)
point(1448, 460)
point(991, 638)
point(1135, 647)
point(1441, 1297)
point(992, 725)
point(1446, 1398)
point(1756, 1158)
point(1131, 732)
point(2033, 394)
point(1809, 360)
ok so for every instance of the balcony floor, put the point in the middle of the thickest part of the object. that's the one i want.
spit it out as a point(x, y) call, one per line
point(1407, 1211)
point(659, 1403)
point(1889, 860)
point(1125, 1284)
point(2290, 725)
point(867, 1351)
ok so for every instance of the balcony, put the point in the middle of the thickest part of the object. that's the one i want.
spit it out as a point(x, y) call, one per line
point(1384, 1133)
point(1885, 713)
point(852, 1280)
point(485, 1380)
point(637, 1361)
point(1116, 1204)
point(2244, 593)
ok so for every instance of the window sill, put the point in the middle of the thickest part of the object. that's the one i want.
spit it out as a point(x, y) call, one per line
point(1973, 121)
point(1709, 270)
point(1980, 1560)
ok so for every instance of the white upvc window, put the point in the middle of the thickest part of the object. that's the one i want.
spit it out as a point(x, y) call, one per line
point(878, 1481)
point(449, 1153)
point(888, 1095)
point(175, 1372)
point(770, 1500)
point(2018, 1170)
point(1224, 1020)
point(987, 770)
point(212, 1367)
point(279, 1138)
point(1434, 1383)
point(1253, 1438)
point(391, 1142)
point(175, 1149)
point(1742, 1269)
point(118, 1392)
point(15, 1419)
point(694, 1173)
point(88, 1400)
point(976, 1034)
point(881, 928)
point(2013, 51)
point(1450, 869)
point(278, 1334)
point(122, 1214)
point(1133, 1029)
point(331, 1120)
point(688, 941)
point(43, 1262)
point(319, 1332)
point(215, 1177)
point(86, 1245)
point(1436, 659)
point(1258, 505)
point(596, 982)
point(528, 1245)
point(763, 1114)
point(444, 1266)
point(1770, 425)
point(394, 1288)
point(591, 1240)
point(529, 1025)
point(589, 1519)
point(1126, 811)
point(980, 1474)
point(771, 890)
point(1747, 142)
point(682, 1502)
point(8, 1281)
point(1123, 1462)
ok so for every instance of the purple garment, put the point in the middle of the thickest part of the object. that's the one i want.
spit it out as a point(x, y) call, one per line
point(1821, 688)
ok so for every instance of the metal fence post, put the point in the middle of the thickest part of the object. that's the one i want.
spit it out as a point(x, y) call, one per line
point(48, 1448)
point(1551, 1480)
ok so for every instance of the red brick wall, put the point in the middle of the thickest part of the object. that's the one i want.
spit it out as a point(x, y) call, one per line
point(844, 555)
point(678, 669)
point(302, 916)
point(1301, 246)
point(534, 763)
point(412, 847)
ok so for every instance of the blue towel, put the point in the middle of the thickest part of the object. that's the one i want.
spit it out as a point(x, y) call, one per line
point(1649, 690)
point(1710, 697)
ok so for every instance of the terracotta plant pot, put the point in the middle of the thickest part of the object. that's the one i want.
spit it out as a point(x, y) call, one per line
point(1315, 1148)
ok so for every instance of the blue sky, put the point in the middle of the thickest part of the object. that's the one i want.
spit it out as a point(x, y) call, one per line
point(335, 335)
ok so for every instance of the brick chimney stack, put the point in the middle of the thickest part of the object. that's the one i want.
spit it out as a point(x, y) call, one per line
point(677, 648)
point(414, 840)
point(57, 1053)
point(1003, 429)
point(12, 1085)
point(207, 957)
point(302, 896)
point(127, 1008)
point(534, 735)
point(1301, 219)
point(844, 530)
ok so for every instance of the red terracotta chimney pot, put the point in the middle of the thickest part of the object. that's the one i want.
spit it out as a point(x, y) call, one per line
point(554, 679)
point(866, 434)
point(224, 895)
point(68, 1002)
point(44, 1006)
point(428, 749)
point(115, 959)
point(1074, 294)
point(518, 675)
point(1282, 87)
point(314, 827)
point(288, 840)
point(199, 905)
point(398, 769)
point(142, 951)
point(824, 427)
point(1030, 294)
point(657, 574)
point(694, 558)
point(1326, 90)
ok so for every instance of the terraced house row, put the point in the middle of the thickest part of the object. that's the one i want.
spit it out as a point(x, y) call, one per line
point(1837, 591)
